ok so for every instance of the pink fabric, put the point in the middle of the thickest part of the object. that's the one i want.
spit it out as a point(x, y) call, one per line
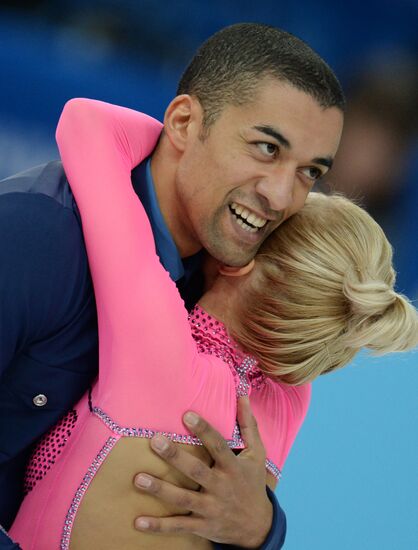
point(151, 367)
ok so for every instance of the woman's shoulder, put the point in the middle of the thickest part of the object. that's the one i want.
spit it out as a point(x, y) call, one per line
point(295, 399)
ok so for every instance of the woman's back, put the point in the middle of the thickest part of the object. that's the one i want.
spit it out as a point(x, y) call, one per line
point(87, 497)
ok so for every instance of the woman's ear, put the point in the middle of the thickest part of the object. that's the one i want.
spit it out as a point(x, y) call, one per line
point(182, 119)
point(230, 271)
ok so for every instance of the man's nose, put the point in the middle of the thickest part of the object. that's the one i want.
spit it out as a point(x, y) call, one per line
point(278, 188)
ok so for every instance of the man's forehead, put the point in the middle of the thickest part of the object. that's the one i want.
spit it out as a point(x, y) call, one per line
point(286, 113)
point(274, 99)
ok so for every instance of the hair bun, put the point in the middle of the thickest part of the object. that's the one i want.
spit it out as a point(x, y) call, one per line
point(382, 320)
point(367, 296)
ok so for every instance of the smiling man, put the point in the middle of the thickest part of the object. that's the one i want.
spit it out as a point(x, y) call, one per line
point(230, 184)
point(257, 120)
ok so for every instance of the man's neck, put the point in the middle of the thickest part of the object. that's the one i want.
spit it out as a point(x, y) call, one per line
point(164, 163)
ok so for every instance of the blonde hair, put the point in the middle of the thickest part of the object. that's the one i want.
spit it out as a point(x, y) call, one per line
point(324, 288)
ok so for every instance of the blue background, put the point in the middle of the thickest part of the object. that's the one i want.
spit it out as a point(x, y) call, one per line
point(350, 481)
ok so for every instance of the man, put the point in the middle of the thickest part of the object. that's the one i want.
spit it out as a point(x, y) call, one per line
point(257, 120)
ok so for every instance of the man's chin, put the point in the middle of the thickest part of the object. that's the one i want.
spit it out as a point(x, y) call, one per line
point(233, 258)
point(233, 246)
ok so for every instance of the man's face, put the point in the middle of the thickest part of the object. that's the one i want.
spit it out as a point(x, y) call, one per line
point(254, 169)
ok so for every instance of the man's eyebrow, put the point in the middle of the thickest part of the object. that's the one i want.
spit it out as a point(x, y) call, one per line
point(325, 161)
point(272, 132)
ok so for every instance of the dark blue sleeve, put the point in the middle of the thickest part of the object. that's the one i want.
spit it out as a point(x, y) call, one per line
point(6, 543)
point(275, 538)
point(48, 333)
point(40, 256)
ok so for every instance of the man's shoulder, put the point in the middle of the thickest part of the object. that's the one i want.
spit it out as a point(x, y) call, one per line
point(46, 180)
point(42, 252)
point(37, 207)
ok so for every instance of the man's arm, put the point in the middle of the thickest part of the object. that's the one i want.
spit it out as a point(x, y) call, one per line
point(43, 310)
point(43, 271)
point(232, 507)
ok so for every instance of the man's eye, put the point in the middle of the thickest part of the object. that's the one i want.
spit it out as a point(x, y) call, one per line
point(312, 172)
point(269, 149)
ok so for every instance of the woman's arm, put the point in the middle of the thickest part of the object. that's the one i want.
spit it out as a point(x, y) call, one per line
point(143, 328)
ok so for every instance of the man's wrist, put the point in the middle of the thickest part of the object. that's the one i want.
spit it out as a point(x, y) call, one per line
point(277, 534)
point(271, 537)
point(263, 530)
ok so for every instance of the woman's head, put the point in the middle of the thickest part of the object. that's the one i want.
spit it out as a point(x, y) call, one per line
point(322, 289)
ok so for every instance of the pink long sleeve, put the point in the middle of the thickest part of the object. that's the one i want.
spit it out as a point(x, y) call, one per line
point(145, 342)
point(150, 371)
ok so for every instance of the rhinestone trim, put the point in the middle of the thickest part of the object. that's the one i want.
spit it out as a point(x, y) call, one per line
point(273, 469)
point(143, 432)
point(235, 442)
point(69, 518)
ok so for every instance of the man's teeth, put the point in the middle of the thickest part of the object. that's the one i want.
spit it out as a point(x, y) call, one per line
point(250, 217)
point(246, 226)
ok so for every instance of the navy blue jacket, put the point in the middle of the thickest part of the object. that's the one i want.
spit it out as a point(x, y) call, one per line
point(48, 325)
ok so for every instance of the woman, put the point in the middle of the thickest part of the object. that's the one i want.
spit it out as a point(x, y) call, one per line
point(321, 288)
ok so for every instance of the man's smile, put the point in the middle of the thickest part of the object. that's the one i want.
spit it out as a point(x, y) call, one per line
point(248, 220)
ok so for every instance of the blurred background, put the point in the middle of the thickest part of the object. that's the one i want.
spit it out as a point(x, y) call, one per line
point(350, 481)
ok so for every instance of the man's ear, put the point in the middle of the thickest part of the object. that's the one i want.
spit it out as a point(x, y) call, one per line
point(182, 119)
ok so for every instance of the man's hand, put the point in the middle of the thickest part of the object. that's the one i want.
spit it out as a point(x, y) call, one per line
point(232, 506)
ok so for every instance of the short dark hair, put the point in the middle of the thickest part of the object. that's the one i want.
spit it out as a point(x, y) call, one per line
point(228, 67)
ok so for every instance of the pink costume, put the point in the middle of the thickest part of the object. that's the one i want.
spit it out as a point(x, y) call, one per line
point(156, 362)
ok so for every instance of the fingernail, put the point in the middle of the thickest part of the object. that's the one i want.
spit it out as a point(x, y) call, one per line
point(143, 480)
point(191, 418)
point(142, 524)
point(159, 443)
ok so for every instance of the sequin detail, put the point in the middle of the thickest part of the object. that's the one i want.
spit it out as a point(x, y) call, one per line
point(48, 450)
point(212, 338)
point(91, 472)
